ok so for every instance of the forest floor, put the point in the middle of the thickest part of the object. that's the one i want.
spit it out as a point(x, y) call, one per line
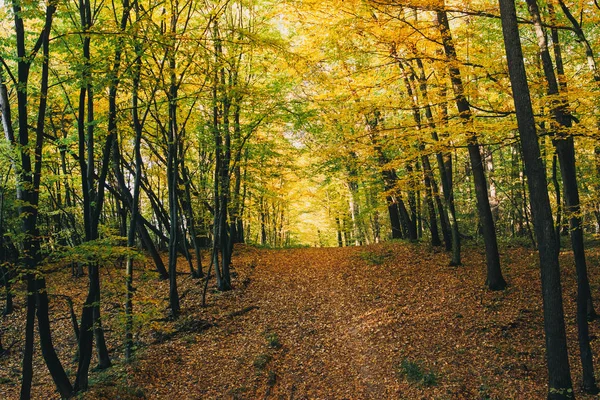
point(387, 321)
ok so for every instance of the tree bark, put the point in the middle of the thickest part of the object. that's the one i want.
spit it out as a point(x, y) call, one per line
point(565, 148)
point(559, 376)
point(494, 280)
point(28, 177)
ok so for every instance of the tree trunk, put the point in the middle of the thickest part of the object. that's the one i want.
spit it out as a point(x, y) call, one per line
point(445, 221)
point(221, 174)
point(556, 185)
point(172, 176)
point(565, 148)
point(133, 223)
point(559, 376)
point(28, 179)
point(27, 362)
point(591, 313)
point(494, 280)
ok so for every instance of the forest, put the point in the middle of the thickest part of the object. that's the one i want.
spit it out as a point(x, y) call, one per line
point(299, 199)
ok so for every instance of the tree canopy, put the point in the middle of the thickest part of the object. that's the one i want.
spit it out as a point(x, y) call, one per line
point(141, 127)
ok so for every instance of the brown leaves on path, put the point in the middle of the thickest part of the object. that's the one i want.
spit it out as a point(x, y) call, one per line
point(350, 323)
point(389, 321)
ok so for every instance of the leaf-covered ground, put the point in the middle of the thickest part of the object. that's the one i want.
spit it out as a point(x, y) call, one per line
point(388, 321)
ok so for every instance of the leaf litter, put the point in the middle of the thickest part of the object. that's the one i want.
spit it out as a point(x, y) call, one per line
point(386, 321)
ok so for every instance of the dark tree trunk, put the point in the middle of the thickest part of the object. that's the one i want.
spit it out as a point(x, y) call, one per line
point(394, 217)
point(566, 154)
point(172, 176)
point(413, 212)
point(142, 231)
point(572, 197)
point(61, 380)
point(444, 160)
point(86, 333)
point(93, 188)
point(557, 192)
point(445, 222)
point(433, 228)
point(197, 272)
point(133, 223)
point(221, 107)
point(27, 362)
point(494, 280)
point(28, 178)
point(388, 175)
point(339, 232)
point(408, 225)
point(427, 173)
point(559, 376)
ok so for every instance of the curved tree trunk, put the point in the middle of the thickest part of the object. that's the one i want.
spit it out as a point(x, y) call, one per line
point(28, 177)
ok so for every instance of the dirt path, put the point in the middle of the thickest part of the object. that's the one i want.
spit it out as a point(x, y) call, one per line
point(338, 323)
point(327, 312)
point(389, 321)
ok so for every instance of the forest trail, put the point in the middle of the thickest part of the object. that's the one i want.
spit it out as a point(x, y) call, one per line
point(338, 323)
point(386, 321)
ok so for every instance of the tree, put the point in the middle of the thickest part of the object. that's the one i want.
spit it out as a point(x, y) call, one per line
point(559, 377)
point(566, 153)
point(28, 177)
point(494, 280)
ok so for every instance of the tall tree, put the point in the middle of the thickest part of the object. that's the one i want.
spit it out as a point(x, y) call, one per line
point(494, 280)
point(28, 177)
point(559, 377)
point(565, 148)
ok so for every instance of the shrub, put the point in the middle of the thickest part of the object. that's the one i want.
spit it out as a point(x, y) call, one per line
point(414, 372)
point(261, 361)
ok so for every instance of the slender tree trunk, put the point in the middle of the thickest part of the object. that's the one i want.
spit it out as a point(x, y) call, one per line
point(591, 313)
point(388, 175)
point(61, 380)
point(427, 173)
point(28, 177)
point(220, 205)
point(494, 280)
point(197, 273)
point(339, 232)
point(444, 160)
point(133, 223)
point(556, 184)
point(172, 175)
point(445, 222)
point(142, 231)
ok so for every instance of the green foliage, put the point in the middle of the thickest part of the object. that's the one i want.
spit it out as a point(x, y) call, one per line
point(273, 340)
point(6, 381)
point(114, 383)
point(271, 379)
point(261, 361)
point(566, 393)
point(374, 258)
point(104, 251)
point(415, 372)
